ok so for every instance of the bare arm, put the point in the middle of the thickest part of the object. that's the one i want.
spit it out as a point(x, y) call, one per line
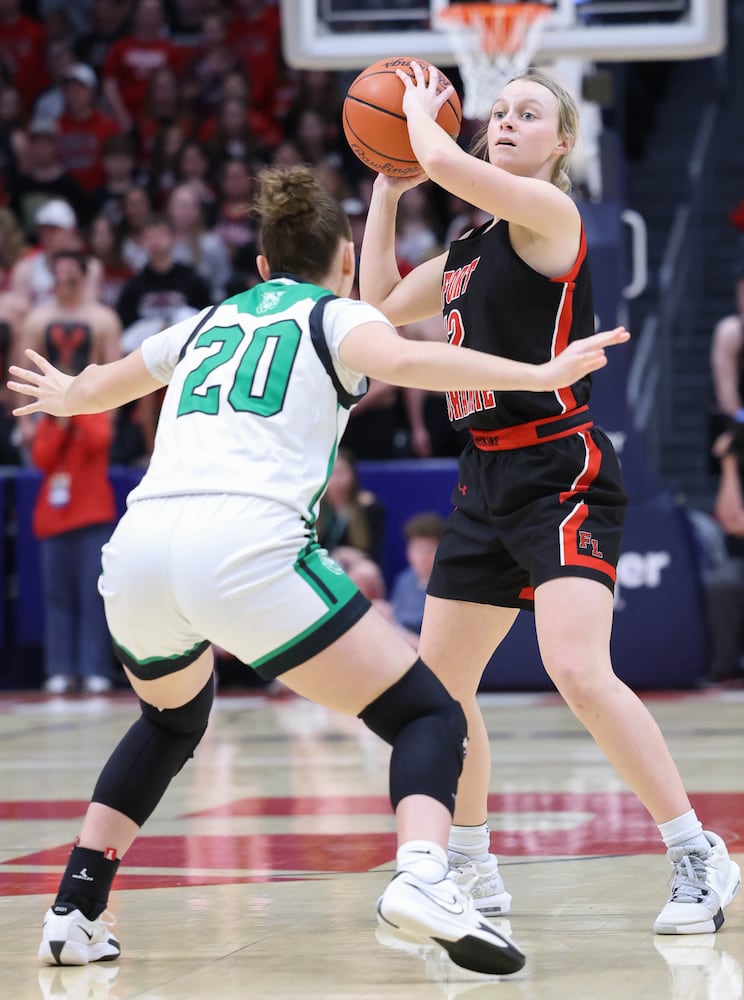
point(107, 336)
point(94, 390)
point(729, 505)
point(403, 300)
point(377, 350)
point(725, 357)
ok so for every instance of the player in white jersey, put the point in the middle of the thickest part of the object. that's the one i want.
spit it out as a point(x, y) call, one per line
point(218, 545)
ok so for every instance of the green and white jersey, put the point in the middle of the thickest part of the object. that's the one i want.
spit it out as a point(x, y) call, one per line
point(257, 396)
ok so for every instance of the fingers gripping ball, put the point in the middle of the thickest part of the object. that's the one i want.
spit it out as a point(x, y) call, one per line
point(375, 124)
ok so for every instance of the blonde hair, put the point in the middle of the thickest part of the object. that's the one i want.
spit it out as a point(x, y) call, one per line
point(300, 223)
point(568, 126)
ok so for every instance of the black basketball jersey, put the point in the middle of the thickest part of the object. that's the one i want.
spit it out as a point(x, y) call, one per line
point(493, 301)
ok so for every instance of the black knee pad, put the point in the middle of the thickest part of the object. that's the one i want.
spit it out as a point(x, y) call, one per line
point(427, 730)
point(151, 753)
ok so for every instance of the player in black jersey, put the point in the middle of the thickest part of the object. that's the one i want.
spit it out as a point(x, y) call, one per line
point(540, 502)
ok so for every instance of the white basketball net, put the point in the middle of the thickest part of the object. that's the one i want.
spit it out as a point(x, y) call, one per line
point(492, 44)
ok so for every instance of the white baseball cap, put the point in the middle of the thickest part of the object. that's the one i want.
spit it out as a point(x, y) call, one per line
point(56, 213)
point(83, 74)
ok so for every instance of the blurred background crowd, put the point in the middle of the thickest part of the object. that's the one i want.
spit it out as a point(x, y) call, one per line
point(131, 134)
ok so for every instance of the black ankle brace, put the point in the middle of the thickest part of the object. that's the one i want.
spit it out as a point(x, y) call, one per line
point(86, 883)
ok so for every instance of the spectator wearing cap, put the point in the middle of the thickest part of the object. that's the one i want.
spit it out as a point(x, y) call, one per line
point(43, 176)
point(32, 276)
point(83, 127)
point(134, 58)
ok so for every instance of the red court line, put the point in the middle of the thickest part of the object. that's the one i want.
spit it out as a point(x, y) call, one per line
point(43, 809)
point(47, 883)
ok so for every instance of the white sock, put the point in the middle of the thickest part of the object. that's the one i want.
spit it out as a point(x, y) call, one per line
point(472, 841)
point(423, 858)
point(685, 830)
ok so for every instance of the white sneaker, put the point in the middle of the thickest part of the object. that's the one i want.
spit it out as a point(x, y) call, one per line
point(96, 684)
point(59, 684)
point(702, 885)
point(71, 939)
point(441, 913)
point(483, 881)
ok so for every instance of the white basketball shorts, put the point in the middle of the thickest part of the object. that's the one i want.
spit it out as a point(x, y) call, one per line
point(242, 572)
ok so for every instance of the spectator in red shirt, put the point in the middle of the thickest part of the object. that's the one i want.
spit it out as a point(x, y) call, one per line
point(73, 518)
point(83, 128)
point(134, 59)
point(22, 50)
point(255, 34)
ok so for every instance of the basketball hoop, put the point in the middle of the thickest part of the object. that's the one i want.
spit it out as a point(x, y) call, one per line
point(492, 42)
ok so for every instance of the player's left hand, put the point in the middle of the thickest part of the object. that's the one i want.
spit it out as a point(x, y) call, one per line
point(582, 357)
point(48, 386)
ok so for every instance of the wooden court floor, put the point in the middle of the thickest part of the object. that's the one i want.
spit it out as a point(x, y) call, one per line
point(257, 876)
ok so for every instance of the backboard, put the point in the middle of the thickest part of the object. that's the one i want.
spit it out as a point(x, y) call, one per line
point(351, 34)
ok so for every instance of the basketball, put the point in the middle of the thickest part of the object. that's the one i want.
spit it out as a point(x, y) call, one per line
point(375, 124)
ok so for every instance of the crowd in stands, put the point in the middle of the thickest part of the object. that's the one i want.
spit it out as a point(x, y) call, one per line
point(131, 132)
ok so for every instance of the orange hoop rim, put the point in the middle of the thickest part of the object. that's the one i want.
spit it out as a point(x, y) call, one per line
point(469, 13)
point(501, 27)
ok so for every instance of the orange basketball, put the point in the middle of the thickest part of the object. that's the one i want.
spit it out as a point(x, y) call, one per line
point(374, 123)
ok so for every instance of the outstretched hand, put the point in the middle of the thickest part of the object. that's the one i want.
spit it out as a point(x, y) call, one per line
point(48, 386)
point(582, 357)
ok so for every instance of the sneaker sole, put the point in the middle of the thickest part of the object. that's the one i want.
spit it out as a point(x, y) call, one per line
point(472, 953)
point(74, 953)
point(491, 954)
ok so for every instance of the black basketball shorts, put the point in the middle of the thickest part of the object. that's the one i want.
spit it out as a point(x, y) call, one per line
point(528, 515)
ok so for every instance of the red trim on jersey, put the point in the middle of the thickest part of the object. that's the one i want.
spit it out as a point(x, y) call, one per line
point(564, 320)
point(570, 275)
point(524, 435)
point(527, 594)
